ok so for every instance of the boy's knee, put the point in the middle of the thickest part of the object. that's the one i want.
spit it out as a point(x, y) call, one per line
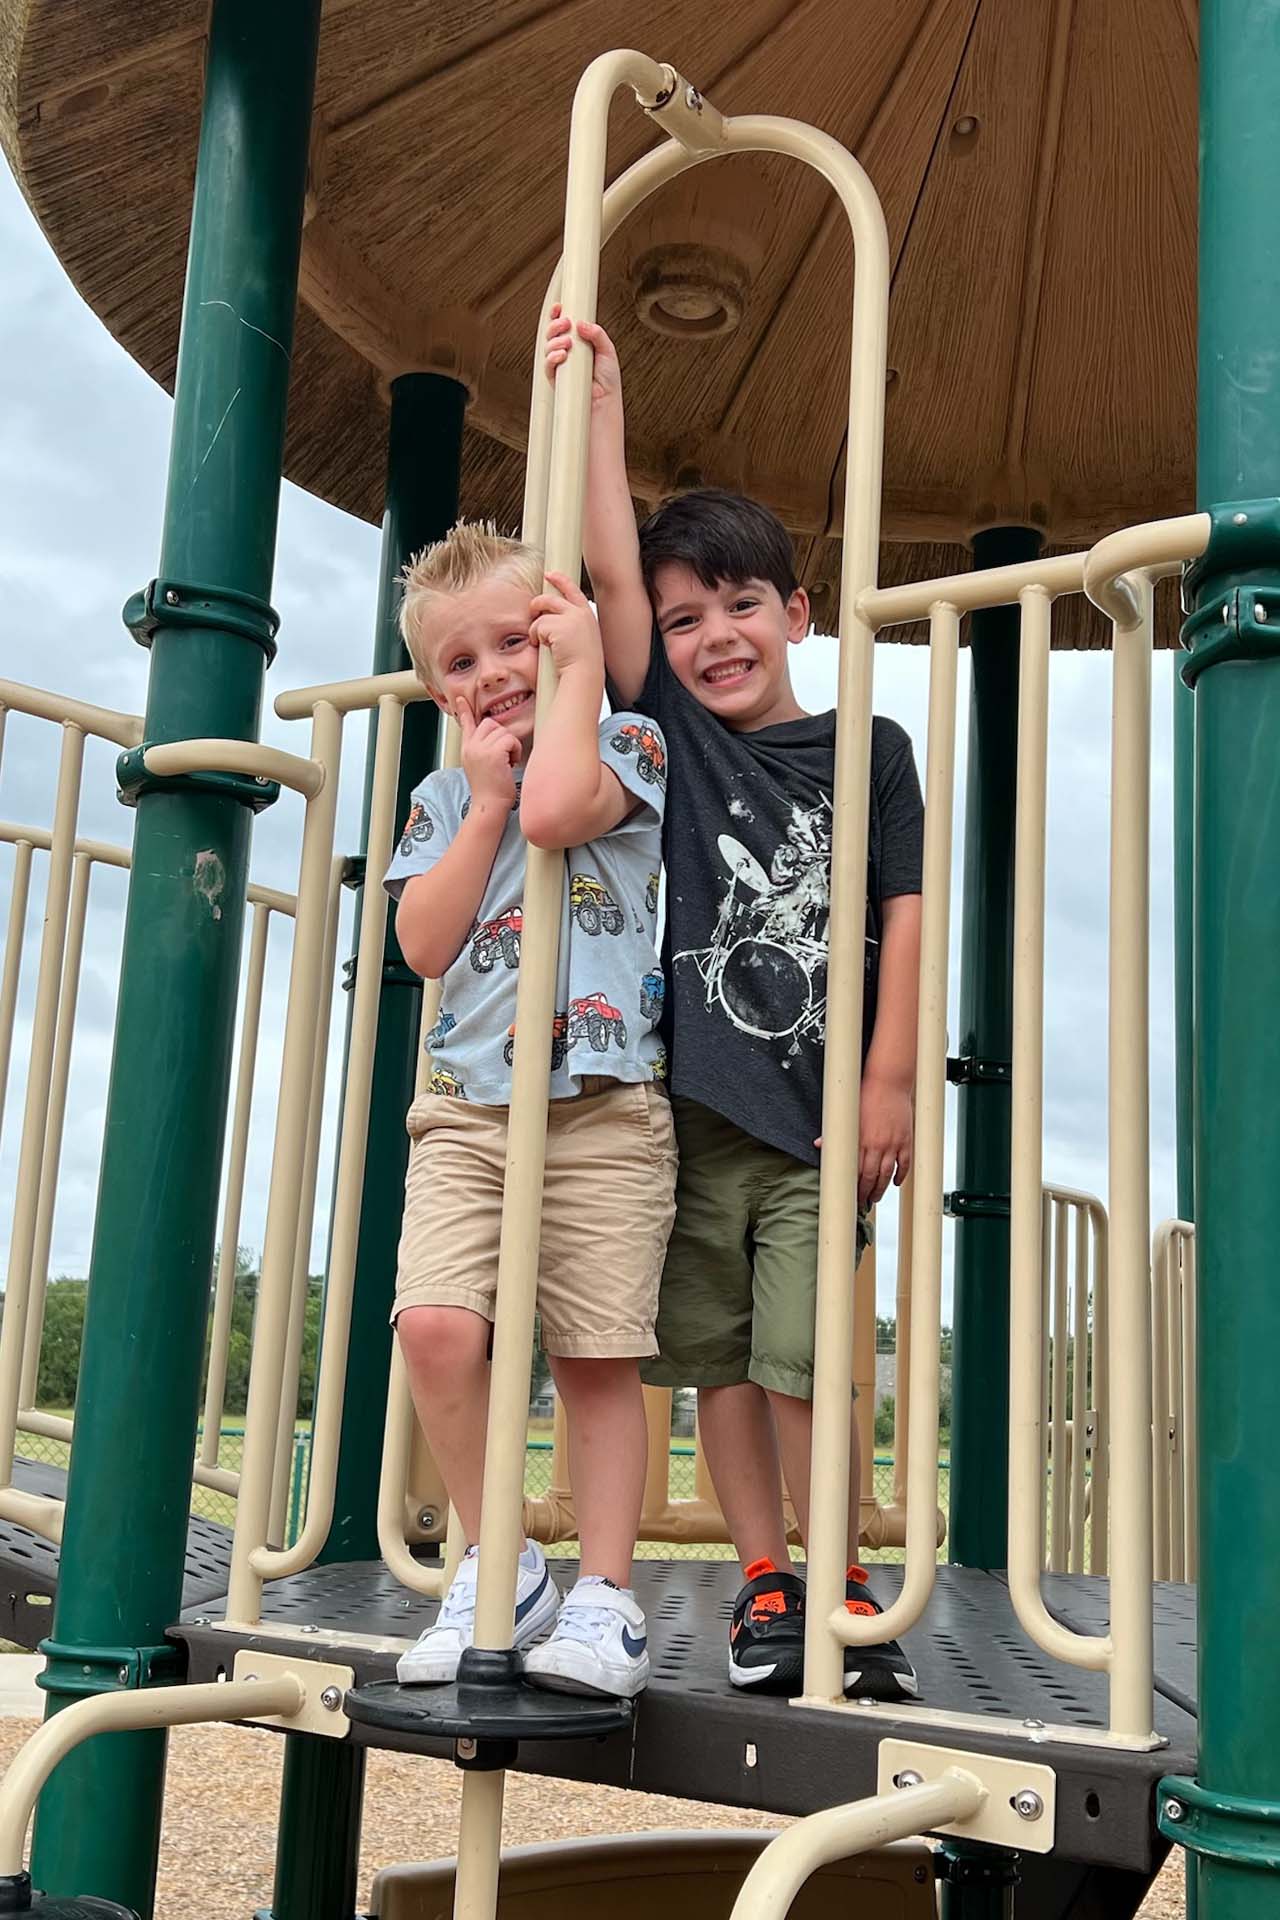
point(437, 1341)
point(576, 1375)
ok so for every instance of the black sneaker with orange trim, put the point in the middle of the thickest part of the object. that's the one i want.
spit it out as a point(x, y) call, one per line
point(882, 1672)
point(766, 1636)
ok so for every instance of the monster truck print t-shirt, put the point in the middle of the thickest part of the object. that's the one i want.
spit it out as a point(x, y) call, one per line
point(747, 841)
point(610, 989)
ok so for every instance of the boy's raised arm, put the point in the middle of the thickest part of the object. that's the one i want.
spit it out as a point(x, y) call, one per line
point(609, 544)
point(437, 908)
point(569, 796)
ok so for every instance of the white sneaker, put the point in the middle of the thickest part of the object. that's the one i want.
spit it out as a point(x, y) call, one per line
point(434, 1659)
point(600, 1644)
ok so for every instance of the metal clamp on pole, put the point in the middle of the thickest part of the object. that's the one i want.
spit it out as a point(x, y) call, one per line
point(967, 1070)
point(960, 1205)
point(135, 777)
point(179, 603)
point(1220, 1826)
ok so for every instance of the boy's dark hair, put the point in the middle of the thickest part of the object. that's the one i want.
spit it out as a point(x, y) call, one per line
point(719, 536)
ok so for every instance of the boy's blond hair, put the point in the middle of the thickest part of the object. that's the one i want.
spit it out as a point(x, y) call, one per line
point(470, 553)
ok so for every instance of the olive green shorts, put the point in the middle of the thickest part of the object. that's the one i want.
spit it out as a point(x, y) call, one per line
point(740, 1279)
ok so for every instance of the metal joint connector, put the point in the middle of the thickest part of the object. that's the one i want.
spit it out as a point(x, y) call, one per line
point(967, 1070)
point(1230, 603)
point(179, 603)
point(961, 1205)
point(681, 111)
point(134, 779)
point(74, 1672)
point(1220, 1826)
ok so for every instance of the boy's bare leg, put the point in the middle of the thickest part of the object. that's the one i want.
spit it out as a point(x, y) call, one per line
point(794, 1422)
point(741, 1447)
point(604, 1413)
point(446, 1353)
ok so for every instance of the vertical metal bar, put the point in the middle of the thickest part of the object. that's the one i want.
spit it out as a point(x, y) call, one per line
point(1101, 1505)
point(12, 970)
point(98, 1825)
point(1046, 1298)
point(60, 1074)
point(224, 1292)
point(1160, 1417)
point(902, 1345)
point(424, 453)
point(1129, 1177)
point(1191, 1427)
point(1171, 1279)
point(22, 1240)
point(275, 1285)
point(1184, 774)
point(1060, 1482)
point(979, 1382)
point(1079, 1386)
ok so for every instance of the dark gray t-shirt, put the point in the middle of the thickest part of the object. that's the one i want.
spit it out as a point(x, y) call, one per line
point(747, 844)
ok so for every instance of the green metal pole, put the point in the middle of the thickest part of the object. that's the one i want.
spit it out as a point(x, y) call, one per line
point(1183, 922)
point(980, 1320)
point(120, 1583)
point(1230, 1819)
point(316, 1857)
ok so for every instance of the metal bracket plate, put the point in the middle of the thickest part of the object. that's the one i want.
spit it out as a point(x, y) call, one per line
point(326, 1690)
point(997, 1823)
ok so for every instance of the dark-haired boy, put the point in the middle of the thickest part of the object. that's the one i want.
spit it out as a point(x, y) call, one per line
point(698, 614)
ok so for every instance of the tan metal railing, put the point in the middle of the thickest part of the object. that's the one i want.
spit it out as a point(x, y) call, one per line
point(1074, 1457)
point(1173, 1399)
point(1117, 574)
point(72, 861)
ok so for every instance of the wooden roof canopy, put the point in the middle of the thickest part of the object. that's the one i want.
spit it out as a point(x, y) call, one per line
point(1036, 162)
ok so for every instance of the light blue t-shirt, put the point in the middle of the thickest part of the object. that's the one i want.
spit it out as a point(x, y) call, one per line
point(609, 986)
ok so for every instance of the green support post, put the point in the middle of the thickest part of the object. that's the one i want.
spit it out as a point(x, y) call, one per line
point(978, 1532)
point(316, 1856)
point(1229, 1819)
point(210, 630)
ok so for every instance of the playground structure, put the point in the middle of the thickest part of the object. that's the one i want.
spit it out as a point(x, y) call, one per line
point(1064, 1771)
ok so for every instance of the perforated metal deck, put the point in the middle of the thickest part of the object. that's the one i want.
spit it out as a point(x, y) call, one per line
point(29, 1565)
point(696, 1737)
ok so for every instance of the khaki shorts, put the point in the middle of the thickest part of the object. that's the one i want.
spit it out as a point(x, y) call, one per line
point(607, 1207)
point(740, 1281)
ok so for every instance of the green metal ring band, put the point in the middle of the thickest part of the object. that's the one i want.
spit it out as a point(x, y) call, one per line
point(184, 603)
point(1219, 1826)
point(133, 779)
point(1242, 623)
point(1220, 602)
point(961, 1205)
point(84, 1670)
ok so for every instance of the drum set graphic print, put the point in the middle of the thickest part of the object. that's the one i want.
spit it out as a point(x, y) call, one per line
point(766, 965)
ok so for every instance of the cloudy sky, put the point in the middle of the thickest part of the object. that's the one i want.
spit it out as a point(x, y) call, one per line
point(83, 441)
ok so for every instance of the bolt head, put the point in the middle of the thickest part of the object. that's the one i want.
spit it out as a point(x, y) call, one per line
point(1240, 519)
point(1174, 1810)
point(908, 1778)
point(1259, 612)
point(427, 1518)
point(693, 100)
point(170, 597)
point(466, 1749)
point(122, 1675)
point(331, 1699)
point(1027, 1804)
point(308, 1629)
point(1034, 1726)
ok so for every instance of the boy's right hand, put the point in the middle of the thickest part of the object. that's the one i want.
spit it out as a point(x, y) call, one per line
point(490, 754)
point(606, 374)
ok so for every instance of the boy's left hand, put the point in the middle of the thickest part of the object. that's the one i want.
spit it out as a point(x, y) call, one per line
point(886, 1126)
point(563, 621)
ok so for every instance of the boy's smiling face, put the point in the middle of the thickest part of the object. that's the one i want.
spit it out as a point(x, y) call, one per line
point(482, 654)
point(728, 644)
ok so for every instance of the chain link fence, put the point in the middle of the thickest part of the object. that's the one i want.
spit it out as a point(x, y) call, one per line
point(220, 1507)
